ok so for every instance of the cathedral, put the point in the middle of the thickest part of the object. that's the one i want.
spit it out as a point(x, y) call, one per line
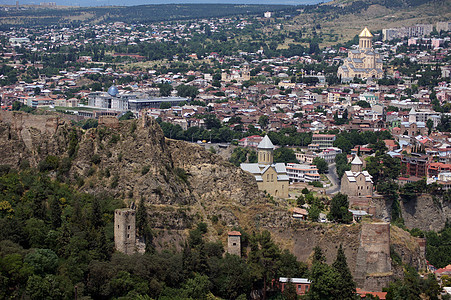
point(362, 62)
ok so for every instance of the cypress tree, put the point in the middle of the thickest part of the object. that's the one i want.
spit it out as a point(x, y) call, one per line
point(55, 213)
point(345, 288)
point(323, 278)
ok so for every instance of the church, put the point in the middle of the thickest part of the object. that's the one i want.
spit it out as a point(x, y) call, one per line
point(363, 62)
point(271, 177)
point(357, 182)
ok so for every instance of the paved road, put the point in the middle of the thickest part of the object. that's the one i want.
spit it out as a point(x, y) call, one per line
point(333, 177)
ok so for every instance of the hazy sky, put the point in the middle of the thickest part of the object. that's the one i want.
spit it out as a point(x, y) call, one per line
point(140, 2)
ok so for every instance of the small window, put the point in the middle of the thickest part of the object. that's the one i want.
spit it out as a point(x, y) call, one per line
point(117, 226)
point(128, 236)
point(128, 226)
point(234, 244)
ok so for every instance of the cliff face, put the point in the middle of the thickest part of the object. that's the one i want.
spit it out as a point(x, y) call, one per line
point(181, 184)
point(426, 212)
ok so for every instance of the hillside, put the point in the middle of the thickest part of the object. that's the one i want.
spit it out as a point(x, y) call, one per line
point(180, 184)
point(340, 21)
point(38, 16)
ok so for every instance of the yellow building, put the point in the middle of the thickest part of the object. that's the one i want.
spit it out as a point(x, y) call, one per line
point(271, 177)
point(363, 62)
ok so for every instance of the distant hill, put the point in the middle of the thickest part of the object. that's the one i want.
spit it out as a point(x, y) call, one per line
point(341, 20)
point(38, 16)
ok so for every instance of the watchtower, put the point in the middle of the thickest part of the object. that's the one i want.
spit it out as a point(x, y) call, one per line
point(125, 230)
point(234, 243)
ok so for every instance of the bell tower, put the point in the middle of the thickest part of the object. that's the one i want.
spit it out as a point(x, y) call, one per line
point(265, 151)
point(365, 39)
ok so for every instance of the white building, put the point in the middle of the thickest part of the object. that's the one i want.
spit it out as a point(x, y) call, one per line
point(302, 173)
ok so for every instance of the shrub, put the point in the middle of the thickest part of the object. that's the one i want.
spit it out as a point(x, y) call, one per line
point(95, 159)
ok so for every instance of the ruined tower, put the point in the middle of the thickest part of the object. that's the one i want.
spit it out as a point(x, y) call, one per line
point(125, 230)
point(234, 243)
point(373, 265)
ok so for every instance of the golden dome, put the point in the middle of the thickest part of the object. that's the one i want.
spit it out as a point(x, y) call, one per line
point(365, 33)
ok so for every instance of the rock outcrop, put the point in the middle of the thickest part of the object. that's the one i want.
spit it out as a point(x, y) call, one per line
point(181, 184)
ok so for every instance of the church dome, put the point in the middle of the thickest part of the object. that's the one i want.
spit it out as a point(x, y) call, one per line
point(113, 91)
point(365, 33)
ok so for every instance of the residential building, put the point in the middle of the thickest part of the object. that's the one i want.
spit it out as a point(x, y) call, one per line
point(302, 285)
point(414, 165)
point(302, 173)
point(323, 140)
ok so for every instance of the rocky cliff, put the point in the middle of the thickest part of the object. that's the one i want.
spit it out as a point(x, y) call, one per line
point(181, 184)
point(426, 212)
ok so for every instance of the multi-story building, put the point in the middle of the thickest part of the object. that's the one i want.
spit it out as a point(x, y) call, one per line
point(129, 101)
point(329, 154)
point(302, 173)
point(418, 30)
point(443, 26)
point(415, 165)
point(323, 140)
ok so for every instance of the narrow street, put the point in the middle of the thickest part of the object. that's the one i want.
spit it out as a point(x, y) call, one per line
point(333, 177)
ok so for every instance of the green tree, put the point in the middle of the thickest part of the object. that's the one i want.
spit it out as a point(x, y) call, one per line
point(263, 258)
point(339, 209)
point(55, 213)
point(43, 261)
point(165, 89)
point(263, 121)
point(345, 283)
point(430, 125)
point(321, 164)
point(323, 278)
point(188, 91)
point(289, 293)
point(127, 116)
point(197, 287)
point(211, 121)
point(284, 155)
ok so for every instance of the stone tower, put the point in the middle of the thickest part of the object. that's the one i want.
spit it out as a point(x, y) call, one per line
point(356, 164)
point(373, 264)
point(365, 39)
point(245, 73)
point(265, 152)
point(234, 243)
point(125, 230)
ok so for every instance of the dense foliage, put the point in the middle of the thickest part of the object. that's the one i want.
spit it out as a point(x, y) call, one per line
point(55, 240)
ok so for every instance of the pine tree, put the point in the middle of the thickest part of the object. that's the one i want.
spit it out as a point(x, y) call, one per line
point(345, 284)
